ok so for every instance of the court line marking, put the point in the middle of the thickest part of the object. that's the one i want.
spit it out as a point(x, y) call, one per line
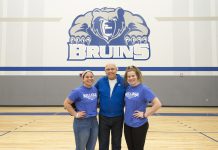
point(65, 113)
point(6, 132)
point(195, 130)
point(148, 131)
point(191, 132)
point(208, 137)
point(18, 127)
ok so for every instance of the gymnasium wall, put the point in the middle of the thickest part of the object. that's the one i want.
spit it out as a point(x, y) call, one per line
point(52, 90)
point(45, 44)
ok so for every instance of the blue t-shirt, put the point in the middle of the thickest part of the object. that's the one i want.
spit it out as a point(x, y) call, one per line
point(85, 99)
point(137, 98)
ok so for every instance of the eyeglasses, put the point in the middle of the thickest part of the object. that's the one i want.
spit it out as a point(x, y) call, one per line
point(108, 69)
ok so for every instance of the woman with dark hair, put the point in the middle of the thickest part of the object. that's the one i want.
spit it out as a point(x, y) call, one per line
point(137, 97)
point(85, 123)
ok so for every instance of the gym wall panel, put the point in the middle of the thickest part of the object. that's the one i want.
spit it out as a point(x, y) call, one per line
point(38, 59)
point(52, 90)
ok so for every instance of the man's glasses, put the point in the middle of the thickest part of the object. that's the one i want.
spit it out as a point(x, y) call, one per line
point(108, 69)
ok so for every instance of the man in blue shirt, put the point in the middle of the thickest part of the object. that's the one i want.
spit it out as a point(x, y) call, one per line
point(111, 91)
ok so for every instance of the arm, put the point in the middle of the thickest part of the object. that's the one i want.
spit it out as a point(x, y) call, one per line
point(67, 105)
point(97, 87)
point(156, 104)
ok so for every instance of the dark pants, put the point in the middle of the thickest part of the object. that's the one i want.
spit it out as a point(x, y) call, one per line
point(135, 137)
point(107, 125)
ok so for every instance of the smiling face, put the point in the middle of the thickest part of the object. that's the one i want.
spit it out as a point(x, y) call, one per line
point(88, 79)
point(132, 78)
point(111, 71)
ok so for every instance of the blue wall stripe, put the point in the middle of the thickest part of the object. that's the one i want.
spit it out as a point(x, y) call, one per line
point(102, 68)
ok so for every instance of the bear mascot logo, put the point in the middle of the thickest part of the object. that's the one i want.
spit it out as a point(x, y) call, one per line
point(108, 33)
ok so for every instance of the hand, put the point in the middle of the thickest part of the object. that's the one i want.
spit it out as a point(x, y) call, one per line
point(145, 115)
point(80, 114)
point(138, 114)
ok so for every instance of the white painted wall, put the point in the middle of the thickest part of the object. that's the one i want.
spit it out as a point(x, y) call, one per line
point(184, 33)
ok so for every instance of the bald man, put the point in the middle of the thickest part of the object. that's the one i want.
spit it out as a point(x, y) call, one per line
point(111, 90)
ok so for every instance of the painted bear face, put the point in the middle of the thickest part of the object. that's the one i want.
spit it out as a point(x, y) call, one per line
point(106, 23)
point(107, 28)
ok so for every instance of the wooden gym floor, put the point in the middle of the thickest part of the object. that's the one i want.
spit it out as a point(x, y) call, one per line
point(50, 128)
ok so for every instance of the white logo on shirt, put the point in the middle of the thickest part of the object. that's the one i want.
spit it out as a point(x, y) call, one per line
point(130, 95)
point(90, 96)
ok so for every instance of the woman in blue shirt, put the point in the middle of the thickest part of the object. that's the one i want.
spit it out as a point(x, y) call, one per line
point(137, 97)
point(85, 124)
